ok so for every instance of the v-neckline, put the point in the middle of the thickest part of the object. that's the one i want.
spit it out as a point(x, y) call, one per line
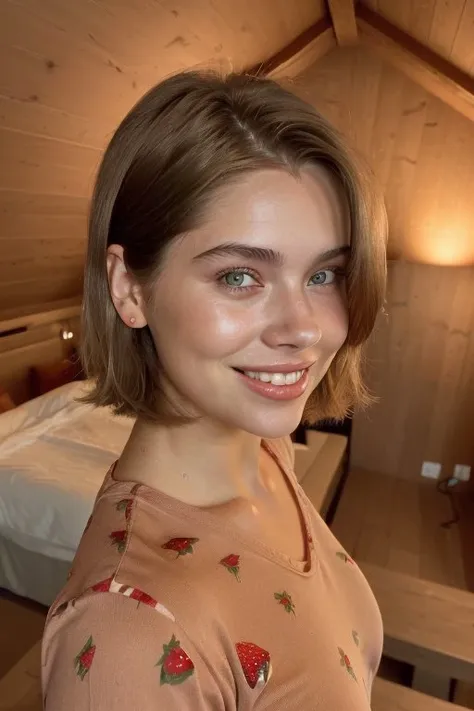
point(154, 497)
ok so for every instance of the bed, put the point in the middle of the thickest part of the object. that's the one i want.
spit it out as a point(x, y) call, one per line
point(54, 454)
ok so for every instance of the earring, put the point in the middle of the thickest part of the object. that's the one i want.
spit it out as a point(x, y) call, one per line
point(132, 319)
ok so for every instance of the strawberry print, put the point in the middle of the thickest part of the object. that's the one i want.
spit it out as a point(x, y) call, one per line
point(119, 539)
point(103, 586)
point(175, 664)
point(255, 663)
point(346, 662)
point(83, 661)
point(355, 637)
point(284, 599)
point(125, 505)
point(182, 546)
point(232, 563)
point(143, 597)
point(343, 556)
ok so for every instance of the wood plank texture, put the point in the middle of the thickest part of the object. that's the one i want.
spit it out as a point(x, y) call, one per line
point(68, 74)
point(420, 63)
point(299, 54)
point(344, 20)
point(397, 524)
point(444, 25)
point(425, 624)
point(387, 696)
point(421, 367)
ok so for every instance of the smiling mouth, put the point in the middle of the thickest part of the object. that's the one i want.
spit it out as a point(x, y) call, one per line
point(274, 378)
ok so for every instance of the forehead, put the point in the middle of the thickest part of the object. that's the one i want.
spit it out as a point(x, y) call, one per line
point(272, 208)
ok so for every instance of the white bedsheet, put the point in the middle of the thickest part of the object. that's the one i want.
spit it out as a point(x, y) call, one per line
point(54, 454)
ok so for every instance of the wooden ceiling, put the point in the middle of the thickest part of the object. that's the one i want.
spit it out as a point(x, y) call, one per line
point(70, 71)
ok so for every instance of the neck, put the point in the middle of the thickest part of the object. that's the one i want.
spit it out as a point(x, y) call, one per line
point(201, 464)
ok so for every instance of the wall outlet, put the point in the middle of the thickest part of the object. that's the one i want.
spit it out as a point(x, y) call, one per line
point(462, 472)
point(431, 470)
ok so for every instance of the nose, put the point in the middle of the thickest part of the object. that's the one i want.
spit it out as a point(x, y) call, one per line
point(294, 325)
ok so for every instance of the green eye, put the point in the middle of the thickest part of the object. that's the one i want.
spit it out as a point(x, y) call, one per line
point(236, 279)
point(327, 276)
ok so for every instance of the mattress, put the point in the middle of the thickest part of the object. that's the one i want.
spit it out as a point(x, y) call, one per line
point(54, 454)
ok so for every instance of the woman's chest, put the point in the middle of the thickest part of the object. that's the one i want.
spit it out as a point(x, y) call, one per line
point(315, 643)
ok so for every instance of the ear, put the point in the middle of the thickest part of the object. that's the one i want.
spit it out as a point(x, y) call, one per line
point(127, 294)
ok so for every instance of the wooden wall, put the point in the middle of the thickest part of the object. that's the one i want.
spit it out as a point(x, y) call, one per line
point(69, 71)
point(422, 356)
point(421, 366)
point(446, 26)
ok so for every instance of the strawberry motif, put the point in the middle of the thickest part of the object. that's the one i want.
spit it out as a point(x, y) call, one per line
point(355, 637)
point(182, 546)
point(343, 556)
point(126, 506)
point(103, 586)
point(84, 659)
point(119, 539)
point(284, 599)
point(255, 663)
point(346, 662)
point(143, 597)
point(175, 664)
point(232, 563)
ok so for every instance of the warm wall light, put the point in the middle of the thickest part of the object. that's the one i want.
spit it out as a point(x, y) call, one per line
point(442, 245)
point(66, 335)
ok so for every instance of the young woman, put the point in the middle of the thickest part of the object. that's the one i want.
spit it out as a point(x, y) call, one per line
point(236, 265)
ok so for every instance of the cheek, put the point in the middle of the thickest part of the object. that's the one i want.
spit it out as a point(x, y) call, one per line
point(203, 326)
point(334, 322)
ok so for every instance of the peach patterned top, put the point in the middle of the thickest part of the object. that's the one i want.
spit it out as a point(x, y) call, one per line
point(169, 609)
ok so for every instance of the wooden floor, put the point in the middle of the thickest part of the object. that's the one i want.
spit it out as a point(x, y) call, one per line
point(21, 625)
point(397, 524)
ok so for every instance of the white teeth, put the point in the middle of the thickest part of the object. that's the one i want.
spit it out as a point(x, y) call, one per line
point(276, 378)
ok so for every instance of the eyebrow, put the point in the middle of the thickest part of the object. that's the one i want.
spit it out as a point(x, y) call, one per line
point(263, 254)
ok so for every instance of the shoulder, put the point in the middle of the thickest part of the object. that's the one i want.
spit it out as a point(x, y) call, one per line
point(118, 651)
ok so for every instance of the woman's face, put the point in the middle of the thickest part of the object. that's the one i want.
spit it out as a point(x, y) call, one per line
point(259, 288)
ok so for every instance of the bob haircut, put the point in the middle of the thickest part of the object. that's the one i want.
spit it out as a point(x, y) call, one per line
point(185, 139)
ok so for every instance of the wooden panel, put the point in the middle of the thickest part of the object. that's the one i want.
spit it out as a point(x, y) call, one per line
point(68, 74)
point(344, 21)
point(39, 165)
point(20, 689)
point(387, 696)
point(429, 69)
point(323, 475)
point(397, 524)
point(421, 151)
point(421, 357)
point(444, 25)
point(422, 369)
point(446, 644)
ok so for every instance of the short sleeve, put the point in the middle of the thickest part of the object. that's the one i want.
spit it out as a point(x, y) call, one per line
point(111, 652)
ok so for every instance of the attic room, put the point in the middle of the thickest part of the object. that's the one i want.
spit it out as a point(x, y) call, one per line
point(393, 481)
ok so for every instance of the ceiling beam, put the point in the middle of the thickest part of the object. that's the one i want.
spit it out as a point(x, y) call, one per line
point(344, 21)
point(420, 64)
point(299, 55)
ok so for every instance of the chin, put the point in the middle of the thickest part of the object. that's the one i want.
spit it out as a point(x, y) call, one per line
point(271, 425)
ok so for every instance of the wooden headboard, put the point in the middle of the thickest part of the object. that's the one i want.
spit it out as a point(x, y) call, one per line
point(35, 339)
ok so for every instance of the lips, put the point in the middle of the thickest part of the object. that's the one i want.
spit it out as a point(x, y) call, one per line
point(282, 368)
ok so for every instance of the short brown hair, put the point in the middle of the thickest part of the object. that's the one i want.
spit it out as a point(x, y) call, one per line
point(186, 138)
